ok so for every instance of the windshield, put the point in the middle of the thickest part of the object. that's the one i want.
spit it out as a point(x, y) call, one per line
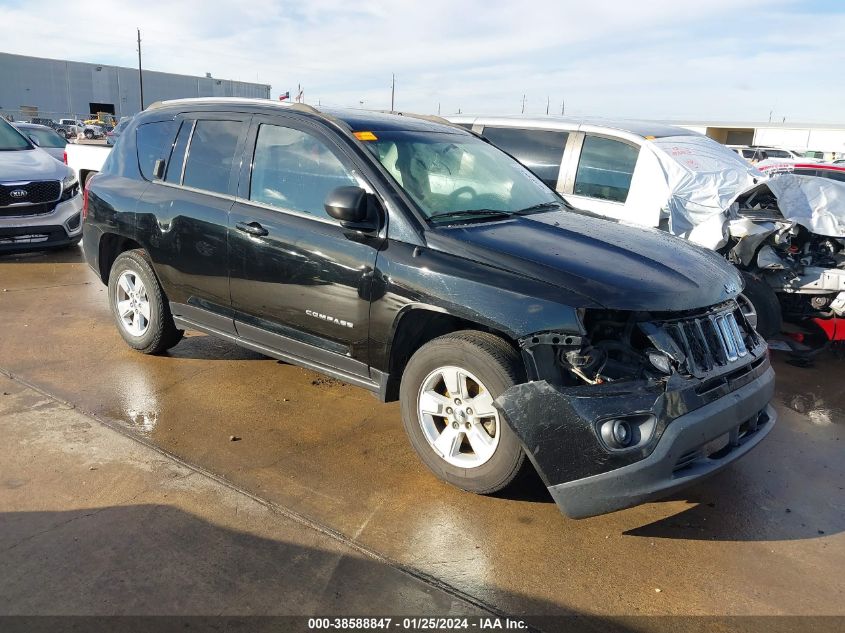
point(456, 174)
point(45, 138)
point(11, 139)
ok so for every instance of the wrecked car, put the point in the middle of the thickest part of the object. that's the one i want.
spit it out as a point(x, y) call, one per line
point(663, 176)
point(416, 260)
point(790, 230)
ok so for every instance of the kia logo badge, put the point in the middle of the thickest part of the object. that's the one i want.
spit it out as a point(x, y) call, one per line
point(17, 194)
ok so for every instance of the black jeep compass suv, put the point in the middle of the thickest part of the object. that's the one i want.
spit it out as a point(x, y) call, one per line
point(415, 259)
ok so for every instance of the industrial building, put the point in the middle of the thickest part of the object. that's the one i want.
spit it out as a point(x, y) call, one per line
point(53, 88)
point(816, 137)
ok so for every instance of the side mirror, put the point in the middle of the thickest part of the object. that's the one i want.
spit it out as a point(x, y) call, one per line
point(353, 207)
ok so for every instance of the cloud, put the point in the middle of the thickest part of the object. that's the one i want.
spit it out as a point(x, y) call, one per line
point(733, 59)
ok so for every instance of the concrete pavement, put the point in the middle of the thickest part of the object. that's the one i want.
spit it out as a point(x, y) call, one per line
point(764, 537)
point(95, 523)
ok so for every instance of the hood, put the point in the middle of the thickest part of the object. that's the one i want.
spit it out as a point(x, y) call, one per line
point(618, 266)
point(31, 164)
point(56, 152)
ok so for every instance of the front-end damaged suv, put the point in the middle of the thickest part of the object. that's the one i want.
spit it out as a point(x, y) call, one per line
point(414, 259)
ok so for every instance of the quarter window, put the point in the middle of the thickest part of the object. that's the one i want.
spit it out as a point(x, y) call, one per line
point(177, 157)
point(539, 150)
point(605, 169)
point(294, 170)
point(211, 155)
point(153, 141)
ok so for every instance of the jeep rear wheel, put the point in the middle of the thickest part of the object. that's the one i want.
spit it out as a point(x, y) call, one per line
point(139, 306)
point(447, 395)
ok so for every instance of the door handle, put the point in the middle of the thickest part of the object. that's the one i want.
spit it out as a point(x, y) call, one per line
point(253, 228)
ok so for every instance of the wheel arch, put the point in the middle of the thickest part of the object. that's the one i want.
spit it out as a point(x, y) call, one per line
point(110, 247)
point(415, 326)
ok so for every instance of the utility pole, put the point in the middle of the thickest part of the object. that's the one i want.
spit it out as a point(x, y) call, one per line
point(523, 104)
point(548, 101)
point(438, 108)
point(562, 106)
point(392, 92)
point(140, 76)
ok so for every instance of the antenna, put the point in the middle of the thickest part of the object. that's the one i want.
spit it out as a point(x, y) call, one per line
point(140, 76)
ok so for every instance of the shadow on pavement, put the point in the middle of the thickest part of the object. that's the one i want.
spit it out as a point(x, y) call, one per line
point(146, 560)
point(143, 562)
point(197, 346)
point(67, 255)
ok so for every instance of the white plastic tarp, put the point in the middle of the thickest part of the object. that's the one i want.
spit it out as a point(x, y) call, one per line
point(816, 203)
point(704, 179)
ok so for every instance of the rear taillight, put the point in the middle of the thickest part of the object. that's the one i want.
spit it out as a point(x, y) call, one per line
point(85, 198)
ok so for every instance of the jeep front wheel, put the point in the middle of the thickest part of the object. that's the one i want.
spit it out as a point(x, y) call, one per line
point(447, 395)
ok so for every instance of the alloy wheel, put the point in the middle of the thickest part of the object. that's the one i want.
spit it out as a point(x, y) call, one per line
point(457, 417)
point(132, 303)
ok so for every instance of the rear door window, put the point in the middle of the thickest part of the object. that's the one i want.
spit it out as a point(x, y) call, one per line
point(605, 169)
point(211, 155)
point(153, 141)
point(295, 170)
point(539, 150)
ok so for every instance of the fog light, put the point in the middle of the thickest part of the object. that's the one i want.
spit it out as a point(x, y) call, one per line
point(617, 433)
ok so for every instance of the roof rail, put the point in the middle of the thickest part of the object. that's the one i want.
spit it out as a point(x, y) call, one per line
point(433, 118)
point(300, 107)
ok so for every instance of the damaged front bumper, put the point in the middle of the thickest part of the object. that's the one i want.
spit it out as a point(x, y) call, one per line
point(696, 428)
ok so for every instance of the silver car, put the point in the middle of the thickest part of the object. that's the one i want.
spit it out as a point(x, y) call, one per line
point(40, 201)
point(44, 137)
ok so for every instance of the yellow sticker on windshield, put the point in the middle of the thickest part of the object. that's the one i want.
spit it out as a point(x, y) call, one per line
point(365, 136)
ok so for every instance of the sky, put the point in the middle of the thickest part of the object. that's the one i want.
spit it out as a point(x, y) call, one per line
point(716, 60)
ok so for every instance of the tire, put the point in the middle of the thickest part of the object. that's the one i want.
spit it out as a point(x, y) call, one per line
point(89, 134)
point(765, 304)
point(490, 362)
point(150, 334)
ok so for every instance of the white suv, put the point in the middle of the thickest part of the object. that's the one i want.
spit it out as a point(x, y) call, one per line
point(40, 205)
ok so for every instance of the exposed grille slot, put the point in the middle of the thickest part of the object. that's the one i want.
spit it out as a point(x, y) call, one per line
point(25, 193)
point(709, 341)
point(686, 459)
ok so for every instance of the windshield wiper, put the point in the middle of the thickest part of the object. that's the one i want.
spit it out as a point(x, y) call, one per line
point(554, 204)
point(472, 213)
